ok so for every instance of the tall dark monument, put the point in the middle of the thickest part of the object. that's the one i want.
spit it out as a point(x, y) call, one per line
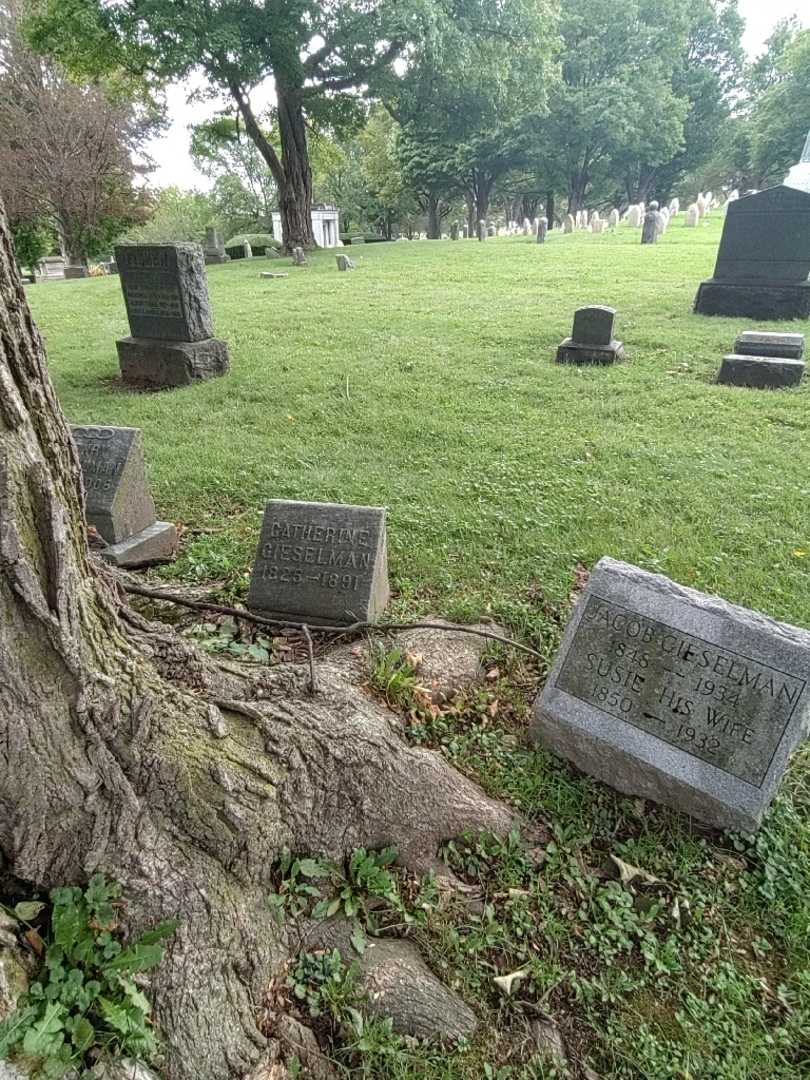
point(763, 263)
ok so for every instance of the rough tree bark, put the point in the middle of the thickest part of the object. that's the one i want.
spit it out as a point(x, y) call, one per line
point(125, 751)
point(292, 171)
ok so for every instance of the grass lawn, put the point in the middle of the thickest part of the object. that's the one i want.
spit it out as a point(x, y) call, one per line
point(425, 382)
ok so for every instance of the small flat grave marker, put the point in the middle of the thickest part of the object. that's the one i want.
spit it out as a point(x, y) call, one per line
point(321, 562)
point(667, 693)
point(118, 502)
point(757, 343)
point(592, 340)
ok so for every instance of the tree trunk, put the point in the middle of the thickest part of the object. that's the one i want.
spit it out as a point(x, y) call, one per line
point(295, 193)
point(124, 750)
point(434, 218)
point(550, 208)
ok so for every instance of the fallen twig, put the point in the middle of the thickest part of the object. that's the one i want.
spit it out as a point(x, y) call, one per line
point(351, 628)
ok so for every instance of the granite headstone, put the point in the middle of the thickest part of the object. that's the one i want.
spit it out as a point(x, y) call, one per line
point(118, 502)
point(166, 295)
point(592, 340)
point(764, 258)
point(322, 562)
point(759, 343)
point(761, 372)
point(676, 696)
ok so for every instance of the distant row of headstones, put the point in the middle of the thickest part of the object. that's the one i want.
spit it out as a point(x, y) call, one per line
point(658, 690)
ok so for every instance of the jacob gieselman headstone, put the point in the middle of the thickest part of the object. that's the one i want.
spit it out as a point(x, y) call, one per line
point(321, 562)
point(664, 692)
point(118, 502)
point(166, 295)
point(592, 340)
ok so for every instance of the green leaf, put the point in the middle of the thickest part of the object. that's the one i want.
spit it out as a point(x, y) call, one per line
point(138, 958)
point(118, 1016)
point(44, 1038)
point(358, 939)
point(160, 933)
point(311, 868)
point(84, 1035)
point(28, 910)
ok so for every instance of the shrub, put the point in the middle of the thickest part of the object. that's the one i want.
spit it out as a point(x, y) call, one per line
point(259, 242)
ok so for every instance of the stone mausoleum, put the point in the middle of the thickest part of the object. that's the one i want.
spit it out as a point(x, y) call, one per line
point(325, 226)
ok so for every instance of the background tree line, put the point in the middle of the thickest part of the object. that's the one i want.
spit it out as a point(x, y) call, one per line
point(402, 115)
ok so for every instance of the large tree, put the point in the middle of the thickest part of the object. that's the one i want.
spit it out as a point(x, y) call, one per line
point(318, 56)
point(66, 149)
point(614, 102)
point(123, 750)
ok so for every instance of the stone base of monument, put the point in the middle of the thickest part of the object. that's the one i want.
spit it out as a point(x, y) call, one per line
point(146, 362)
point(762, 372)
point(570, 352)
point(156, 543)
point(754, 300)
point(213, 259)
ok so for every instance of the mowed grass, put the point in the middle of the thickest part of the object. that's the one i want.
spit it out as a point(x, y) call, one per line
point(425, 382)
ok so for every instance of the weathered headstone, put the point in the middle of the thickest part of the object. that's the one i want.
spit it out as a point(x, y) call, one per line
point(652, 225)
point(214, 250)
point(592, 340)
point(166, 296)
point(542, 230)
point(613, 218)
point(635, 217)
point(118, 501)
point(358, 240)
point(664, 692)
point(298, 257)
point(454, 231)
point(73, 273)
point(758, 343)
point(270, 275)
point(598, 226)
point(702, 205)
point(762, 372)
point(53, 266)
point(764, 258)
point(242, 250)
point(568, 223)
point(323, 562)
point(482, 231)
point(675, 207)
point(692, 219)
point(344, 262)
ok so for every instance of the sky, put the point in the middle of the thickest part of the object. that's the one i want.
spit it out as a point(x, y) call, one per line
point(170, 151)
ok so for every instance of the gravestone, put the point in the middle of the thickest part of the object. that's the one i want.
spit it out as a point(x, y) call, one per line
point(757, 343)
point(358, 240)
point(298, 257)
point(664, 692)
point(214, 250)
point(242, 250)
point(613, 218)
point(270, 275)
point(598, 226)
point(702, 205)
point(482, 231)
point(692, 217)
point(324, 562)
point(764, 258)
point(634, 217)
point(675, 207)
point(53, 266)
point(118, 502)
point(568, 224)
point(761, 372)
point(344, 262)
point(72, 273)
point(652, 225)
point(492, 229)
point(454, 231)
point(542, 230)
point(592, 340)
point(166, 296)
